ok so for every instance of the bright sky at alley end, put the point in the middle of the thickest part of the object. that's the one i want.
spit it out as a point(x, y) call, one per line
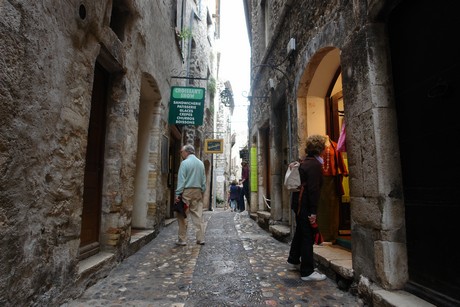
point(235, 58)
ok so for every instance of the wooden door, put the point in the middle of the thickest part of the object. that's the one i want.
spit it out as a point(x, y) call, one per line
point(267, 174)
point(91, 215)
point(174, 161)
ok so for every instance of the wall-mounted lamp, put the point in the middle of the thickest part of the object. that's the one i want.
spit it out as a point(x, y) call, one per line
point(226, 95)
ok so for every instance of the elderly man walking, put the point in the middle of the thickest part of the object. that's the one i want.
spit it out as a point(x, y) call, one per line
point(191, 184)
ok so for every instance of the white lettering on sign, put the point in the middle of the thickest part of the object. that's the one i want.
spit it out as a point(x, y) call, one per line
point(188, 93)
point(185, 122)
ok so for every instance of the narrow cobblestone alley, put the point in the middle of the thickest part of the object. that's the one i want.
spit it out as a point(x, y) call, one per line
point(240, 265)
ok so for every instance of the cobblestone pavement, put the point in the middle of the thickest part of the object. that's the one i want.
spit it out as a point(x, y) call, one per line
point(241, 264)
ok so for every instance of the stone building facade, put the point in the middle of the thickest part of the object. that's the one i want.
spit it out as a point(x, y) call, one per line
point(387, 69)
point(222, 131)
point(88, 158)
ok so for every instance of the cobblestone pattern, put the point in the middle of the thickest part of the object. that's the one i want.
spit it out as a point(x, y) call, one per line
point(240, 265)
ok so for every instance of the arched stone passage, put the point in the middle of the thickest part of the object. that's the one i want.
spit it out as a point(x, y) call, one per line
point(148, 170)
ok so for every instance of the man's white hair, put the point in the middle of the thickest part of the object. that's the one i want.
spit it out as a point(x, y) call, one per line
point(189, 148)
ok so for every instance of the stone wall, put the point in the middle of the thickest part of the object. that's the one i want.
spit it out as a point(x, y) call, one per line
point(355, 28)
point(49, 51)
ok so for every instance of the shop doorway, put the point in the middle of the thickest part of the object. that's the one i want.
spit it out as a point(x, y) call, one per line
point(174, 161)
point(320, 110)
point(335, 120)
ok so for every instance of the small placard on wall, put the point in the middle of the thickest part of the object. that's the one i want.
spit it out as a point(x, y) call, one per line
point(214, 146)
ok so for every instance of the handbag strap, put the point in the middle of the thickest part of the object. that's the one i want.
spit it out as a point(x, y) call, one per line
point(299, 205)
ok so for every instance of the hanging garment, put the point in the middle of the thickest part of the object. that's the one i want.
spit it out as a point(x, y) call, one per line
point(341, 144)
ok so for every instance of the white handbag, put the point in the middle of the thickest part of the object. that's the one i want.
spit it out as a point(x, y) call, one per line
point(292, 177)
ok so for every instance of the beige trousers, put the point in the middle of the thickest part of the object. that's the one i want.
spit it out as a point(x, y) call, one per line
point(194, 198)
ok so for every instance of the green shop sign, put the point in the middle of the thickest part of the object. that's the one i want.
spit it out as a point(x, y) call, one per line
point(253, 169)
point(186, 105)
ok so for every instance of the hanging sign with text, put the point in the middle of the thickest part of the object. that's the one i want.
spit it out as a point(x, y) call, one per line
point(186, 105)
point(214, 146)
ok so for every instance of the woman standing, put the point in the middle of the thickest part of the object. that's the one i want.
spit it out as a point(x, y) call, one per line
point(245, 181)
point(305, 206)
point(234, 195)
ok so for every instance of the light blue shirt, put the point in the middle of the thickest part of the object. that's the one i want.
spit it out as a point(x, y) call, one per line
point(191, 174)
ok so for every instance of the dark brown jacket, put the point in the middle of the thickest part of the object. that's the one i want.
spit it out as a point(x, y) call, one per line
point(311, 177)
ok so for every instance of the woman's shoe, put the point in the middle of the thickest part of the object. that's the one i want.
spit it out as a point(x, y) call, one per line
point(315, 276)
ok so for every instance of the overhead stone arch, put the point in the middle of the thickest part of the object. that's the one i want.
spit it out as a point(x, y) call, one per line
point(313, 87)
